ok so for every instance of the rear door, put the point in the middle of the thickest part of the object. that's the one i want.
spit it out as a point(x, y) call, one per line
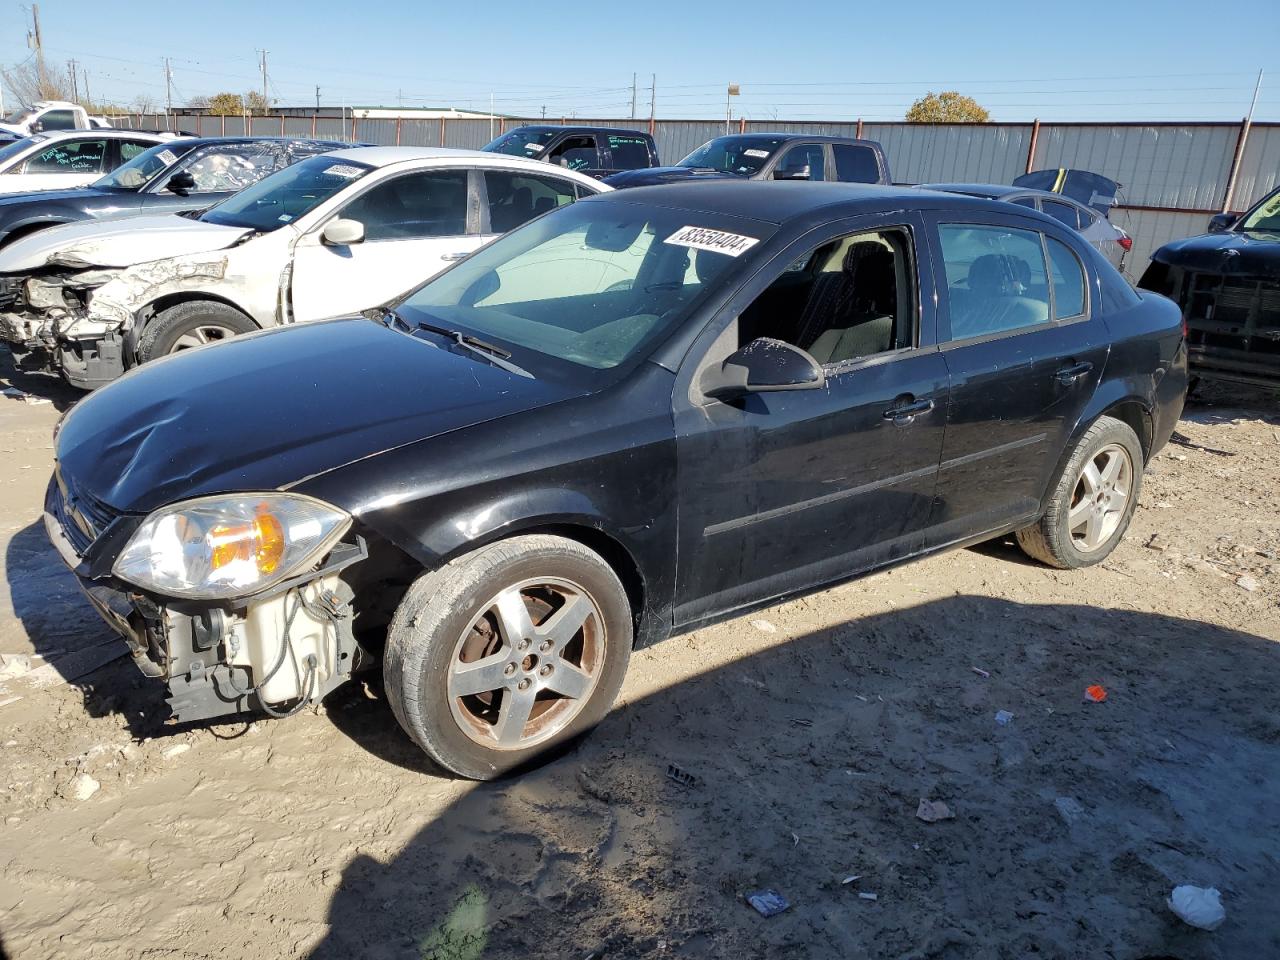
point(1025, 348)
point(627, 152)
point(415, 224)
point(510, 198)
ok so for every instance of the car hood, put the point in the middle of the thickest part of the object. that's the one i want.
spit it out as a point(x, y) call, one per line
point(650, 176)
point(118, 243)
point(1239, 253)
point(265, 411)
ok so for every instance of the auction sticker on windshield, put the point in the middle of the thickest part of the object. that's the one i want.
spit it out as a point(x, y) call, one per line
point(344, 170)
point(762, 154)
point(717, 241)
point(167, 156)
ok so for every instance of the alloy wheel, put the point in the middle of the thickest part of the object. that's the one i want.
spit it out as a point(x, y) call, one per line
point(1100, 498)
point(201, 335)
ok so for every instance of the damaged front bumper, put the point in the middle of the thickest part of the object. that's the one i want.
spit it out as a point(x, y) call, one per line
point(271, 653)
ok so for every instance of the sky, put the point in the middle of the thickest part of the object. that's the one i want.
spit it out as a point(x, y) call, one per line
point(814, 60)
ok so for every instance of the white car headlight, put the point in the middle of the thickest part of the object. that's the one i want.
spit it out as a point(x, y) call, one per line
point(220, 548)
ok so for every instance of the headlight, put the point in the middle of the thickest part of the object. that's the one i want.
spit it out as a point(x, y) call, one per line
point(218, 548)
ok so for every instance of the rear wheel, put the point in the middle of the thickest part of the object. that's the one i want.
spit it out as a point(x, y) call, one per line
point(189, 325)
point(1093, 500)
point(506, 652)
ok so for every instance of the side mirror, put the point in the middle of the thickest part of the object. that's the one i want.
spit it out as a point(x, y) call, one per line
point(342, 233)
point(37, 126)
point(181, 183)
point(1222, 222)
point(762, 366)
point(792, 173)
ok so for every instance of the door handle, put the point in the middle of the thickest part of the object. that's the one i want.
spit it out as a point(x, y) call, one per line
point(1069, 375)
point(450, 257)
point(903, 413)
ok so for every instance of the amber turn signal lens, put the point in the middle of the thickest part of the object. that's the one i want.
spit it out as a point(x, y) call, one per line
point(261, 542)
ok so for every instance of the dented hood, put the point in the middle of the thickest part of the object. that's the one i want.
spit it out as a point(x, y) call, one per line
point(264, 411)
point(117, 243)
point(1251, 254)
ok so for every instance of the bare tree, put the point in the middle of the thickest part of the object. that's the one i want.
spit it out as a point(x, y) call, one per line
point(143, 103)
point(255, 104)
point(27, 83)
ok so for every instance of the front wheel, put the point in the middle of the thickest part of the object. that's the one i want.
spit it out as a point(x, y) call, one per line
point(1093, 500)
point(506, 652)
point(189, 325)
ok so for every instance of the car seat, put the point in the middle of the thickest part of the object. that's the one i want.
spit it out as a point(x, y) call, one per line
point(851, 313)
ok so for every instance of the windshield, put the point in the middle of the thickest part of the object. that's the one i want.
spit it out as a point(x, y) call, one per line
point(21, 115)
point(1265, 217)
point(17, 148)
point(521, 142)
point(594, 284)
point(143, 168)
point(743, 156)
point(287, 194)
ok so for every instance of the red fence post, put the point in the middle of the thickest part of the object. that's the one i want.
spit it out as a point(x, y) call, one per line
point(1229, 195)
point(442, 130)
point(858, 132)
point(313, 126)
point(282, 124)
point(224, 124)
point(1031, 147)
point(397, 131)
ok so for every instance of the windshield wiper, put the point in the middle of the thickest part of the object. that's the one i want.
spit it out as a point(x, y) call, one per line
point(489, 352)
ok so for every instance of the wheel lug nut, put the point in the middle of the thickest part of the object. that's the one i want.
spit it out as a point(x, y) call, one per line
point(524, 684)
point(525, 644)
point(544, 646)
point(545, 670)
point(509, 670)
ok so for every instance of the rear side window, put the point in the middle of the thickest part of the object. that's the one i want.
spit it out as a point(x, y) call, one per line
point(516, 198)
point(427, 204)
point(576, 153)
point(58, 120)
point(1024, 202)
point(629, 153)
point(70, 156)
point(1068, 281)
point(856, 164)
point(1061, 211)
point(131, 148)
point(996, 279)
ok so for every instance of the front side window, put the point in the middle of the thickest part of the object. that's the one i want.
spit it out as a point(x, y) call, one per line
point(741, 156)
point(230, 167)
point(593, 284)
point(629, 153)
point(145, 167)
point(69, 156)
point(576, 153)
point(285, 196)
point(996, 279)
point(846, 299)
point(58, 120)
point(804, 162)
point(431, 203)
point(516, 198)
point(1265, 218)
point(856, 164)
point(1061, 211)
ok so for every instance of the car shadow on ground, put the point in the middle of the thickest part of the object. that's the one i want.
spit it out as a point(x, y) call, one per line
point(1072, 823)
point(22, 374)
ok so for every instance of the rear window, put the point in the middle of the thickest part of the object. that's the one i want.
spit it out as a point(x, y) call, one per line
point(856, 164)
point(629, 153)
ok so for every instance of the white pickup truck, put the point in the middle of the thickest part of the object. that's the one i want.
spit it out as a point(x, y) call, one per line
point(49, 115)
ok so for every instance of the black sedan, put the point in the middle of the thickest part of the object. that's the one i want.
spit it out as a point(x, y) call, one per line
point(186, 174)
point(638, 414)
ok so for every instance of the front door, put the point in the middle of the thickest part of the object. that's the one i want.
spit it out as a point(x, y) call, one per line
point(415, 225)
point(782, 492)
point(1025, 350)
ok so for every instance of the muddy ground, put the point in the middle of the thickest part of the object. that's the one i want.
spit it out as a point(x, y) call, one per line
point(812, 731)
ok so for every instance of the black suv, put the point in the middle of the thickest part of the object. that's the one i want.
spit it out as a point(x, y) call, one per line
point(770, 156)
point(595, 151)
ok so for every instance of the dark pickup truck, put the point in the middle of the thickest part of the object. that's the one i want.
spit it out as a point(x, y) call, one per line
point(595, 151)
point(770, 156)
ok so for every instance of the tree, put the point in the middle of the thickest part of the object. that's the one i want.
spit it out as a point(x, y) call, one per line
point(198, 103)
point(226, 104)
point(947, 107)
point(27, 83)
point(255, 104)
point(143, 103)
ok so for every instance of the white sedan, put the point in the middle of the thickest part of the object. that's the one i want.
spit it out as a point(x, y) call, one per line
point(329, 236)
point(70, 158)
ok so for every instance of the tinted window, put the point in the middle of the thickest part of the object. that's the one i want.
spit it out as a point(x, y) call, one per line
point(804, 162)
point(576, 153)
point(230, 166)
point(1068, 281)
point(742, 155)
point(515, 198)
point(1025, 202)
point(69, 156)
point(1061, 211)
point(995, 279)
point(856, 164)
point(132, 148)
point(848, 298)
point(58, 120)
point(629, 153)
point(432, 203)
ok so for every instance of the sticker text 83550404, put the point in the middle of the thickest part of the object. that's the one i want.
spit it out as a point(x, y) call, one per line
point(717, 241)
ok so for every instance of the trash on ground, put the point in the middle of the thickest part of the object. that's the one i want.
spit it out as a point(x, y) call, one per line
point(867, 896)
point(768, 903)
point(851, 878)
point(84, 786)
point(931, 811)
point(1004, 717)
point(985, 674)
point(1069, 808)
point(801, 722)
point(16, 394)
point(1184, 441)
point(795, 839)
point(1156, 542)
point(682, 777)
point(1095, 693)
point(176, 750)
point(1199, 906)
point(764, 626)
point(1247, 582)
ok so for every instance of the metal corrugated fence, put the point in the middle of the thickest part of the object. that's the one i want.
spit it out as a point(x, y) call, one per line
point(1174, 176)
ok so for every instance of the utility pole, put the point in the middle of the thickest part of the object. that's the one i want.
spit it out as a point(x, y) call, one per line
point(1245, 127)
point(491, 116)
point(653, 99)
point(88, 100)
point(633, 95)
point(265, 102)
point(544, 111)
point(168, 94)
point(75, 86)
point(37, 43)
point(317, 98)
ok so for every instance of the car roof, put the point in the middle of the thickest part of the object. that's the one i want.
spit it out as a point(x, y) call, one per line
point(778, 202)
point(991, 190)
point(807, 137)
point(386, 156)
point(194, 142)
point(576, 127)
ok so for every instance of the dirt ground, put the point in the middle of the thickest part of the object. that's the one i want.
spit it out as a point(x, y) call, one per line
point(811, 731)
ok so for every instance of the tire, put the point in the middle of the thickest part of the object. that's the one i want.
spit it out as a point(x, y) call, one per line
point(464, 614)
point(1072, 533)
point(190, 325)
